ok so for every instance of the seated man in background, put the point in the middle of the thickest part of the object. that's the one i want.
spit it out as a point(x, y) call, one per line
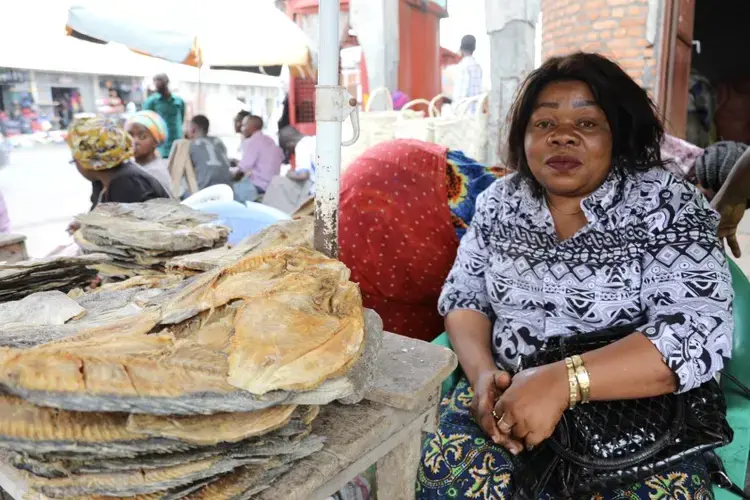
point(208, 154)
point(288, 192)
point(261, 161)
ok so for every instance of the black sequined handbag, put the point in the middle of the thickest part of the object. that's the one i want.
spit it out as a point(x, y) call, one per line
point(604, 445)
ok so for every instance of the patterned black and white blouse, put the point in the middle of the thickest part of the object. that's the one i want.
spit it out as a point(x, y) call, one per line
point(649, 251)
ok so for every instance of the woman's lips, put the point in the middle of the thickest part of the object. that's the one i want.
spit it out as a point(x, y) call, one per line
point(563, 163)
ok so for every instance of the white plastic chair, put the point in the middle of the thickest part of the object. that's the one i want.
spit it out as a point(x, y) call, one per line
point(219, 192)
point(268, 210)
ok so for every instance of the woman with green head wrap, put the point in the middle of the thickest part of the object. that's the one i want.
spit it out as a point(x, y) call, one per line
point(103, 153)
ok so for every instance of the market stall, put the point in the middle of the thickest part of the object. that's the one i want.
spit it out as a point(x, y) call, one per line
point(195, 369)
point(202, 370)
point(197, 37)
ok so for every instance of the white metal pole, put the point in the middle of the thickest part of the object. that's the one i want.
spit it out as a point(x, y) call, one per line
point(328, 166)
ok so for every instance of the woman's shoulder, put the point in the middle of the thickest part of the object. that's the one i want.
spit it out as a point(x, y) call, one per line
point(499, 191)
point(665, 197)
point(502, 199)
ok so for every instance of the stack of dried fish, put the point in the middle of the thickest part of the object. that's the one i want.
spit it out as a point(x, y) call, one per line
point(291, 233)
point(204, 389)
point(21, 279)
point(142, 237)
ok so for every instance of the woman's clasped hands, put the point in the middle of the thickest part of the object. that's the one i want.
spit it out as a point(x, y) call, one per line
point(522, 411)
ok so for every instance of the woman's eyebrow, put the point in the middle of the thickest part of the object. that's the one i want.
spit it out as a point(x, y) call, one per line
point(553, 105)
point(583, 104)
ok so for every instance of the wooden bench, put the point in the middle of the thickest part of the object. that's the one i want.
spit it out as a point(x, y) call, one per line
point(385, 429)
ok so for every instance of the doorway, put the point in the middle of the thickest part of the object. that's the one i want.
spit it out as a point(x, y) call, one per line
point(67, 104)
point(705, 80)
point(720, 73)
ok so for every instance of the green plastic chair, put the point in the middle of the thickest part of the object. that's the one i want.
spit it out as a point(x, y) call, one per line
point(735, 455)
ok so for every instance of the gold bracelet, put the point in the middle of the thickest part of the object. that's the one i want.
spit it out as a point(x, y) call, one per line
point(582, 376)
point(572, 383)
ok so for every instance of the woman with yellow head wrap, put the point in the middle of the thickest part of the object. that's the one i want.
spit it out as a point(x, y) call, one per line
point(103, 152)
point(149, 131)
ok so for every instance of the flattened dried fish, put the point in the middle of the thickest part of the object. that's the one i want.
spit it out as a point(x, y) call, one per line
point(128, 320)
point(296, 354)
point(296, 273)
point(21, 279)
point(28, 428)
point(212, 429)
point(142, 237)
point(283, 234)
point(43, 308)
point(149, 481)
point(240, 484)
point(63, 456)
point(133, 482)
point(163, 386)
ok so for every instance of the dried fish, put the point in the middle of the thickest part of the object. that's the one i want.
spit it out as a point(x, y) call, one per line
point(33, 429)
point(21, 279)
point(240, 484)
point(142, 237)
point(140, 482)
point(67, 452)
point(283, 234)
point(43, 308)
point(79, 374)
point(212, 429)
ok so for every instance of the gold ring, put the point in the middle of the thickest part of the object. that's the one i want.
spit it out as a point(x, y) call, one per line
point(498, 419)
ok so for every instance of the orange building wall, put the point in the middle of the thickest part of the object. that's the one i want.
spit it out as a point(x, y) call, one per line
point(419, 74)
point(616, 28)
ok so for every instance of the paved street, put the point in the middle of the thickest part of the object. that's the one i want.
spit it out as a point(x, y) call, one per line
point(44, 191)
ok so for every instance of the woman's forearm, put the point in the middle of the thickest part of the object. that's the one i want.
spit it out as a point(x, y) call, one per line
point(628, 369)
point(736, 189)
point(470, 333)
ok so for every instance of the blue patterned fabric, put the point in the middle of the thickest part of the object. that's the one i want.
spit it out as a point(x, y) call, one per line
point(460, 462)
point(466, 179)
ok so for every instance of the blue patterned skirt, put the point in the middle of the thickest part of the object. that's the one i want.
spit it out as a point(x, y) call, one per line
point(460, 462)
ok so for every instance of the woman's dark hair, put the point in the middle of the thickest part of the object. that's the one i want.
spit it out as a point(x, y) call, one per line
point(637, 131)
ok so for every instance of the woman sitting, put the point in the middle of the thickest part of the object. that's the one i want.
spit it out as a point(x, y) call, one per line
point(102, 152)
point(589, 233)
point(149, 131)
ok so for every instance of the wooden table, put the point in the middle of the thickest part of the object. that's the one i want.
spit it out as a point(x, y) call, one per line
point(385, 429)
point(12, 248)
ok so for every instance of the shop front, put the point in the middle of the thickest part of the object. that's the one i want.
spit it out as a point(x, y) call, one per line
point(16, 101)
point(63, 95)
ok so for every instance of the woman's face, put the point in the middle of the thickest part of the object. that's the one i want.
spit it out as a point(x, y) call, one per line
point(145, 145)
point(568, 141)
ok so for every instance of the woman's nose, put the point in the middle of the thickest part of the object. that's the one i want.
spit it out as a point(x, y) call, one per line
point(563, 137)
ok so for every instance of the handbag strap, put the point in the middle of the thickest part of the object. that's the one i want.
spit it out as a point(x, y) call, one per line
point(742, 387)
point(719, 475)
point(716, 468)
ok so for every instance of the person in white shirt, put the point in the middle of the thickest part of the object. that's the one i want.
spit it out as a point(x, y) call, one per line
point(304, 148)
point(289, 191)
point(468, 81)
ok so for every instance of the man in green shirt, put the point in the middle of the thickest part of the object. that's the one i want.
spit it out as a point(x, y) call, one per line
point(170, 107)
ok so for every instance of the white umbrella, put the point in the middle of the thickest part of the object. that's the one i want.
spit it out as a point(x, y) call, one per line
point(249, 35)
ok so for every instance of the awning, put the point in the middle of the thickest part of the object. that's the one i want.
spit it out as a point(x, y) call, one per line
point(249, 35)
